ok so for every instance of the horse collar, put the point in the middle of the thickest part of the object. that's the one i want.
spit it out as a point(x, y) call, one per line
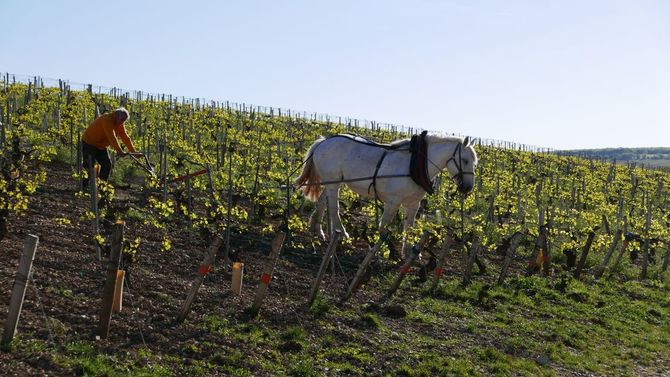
point(418, 163)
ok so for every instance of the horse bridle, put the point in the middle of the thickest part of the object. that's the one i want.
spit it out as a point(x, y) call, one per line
point(459, 165)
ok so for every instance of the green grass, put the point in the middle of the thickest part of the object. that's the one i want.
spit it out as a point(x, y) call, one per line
point(529, 327)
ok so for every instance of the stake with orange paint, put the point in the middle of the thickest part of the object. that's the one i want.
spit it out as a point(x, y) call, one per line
point(439, 268)
point(416, 251)
point(203, 270)
point(266, 276)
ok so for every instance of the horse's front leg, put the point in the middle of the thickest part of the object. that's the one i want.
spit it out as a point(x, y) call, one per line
point(333, 194)
point(316, 218)
point(390, 209)
point(408, 222)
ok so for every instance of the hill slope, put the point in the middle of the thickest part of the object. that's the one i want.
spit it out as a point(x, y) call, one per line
point(550, 325)
point(529, 326)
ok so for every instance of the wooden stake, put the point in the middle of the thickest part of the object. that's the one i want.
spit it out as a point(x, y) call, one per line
point(80, 162)
point(266, 277)
point(118, 291)
point(645, 248)
point(509, 255)
point(93, 186)
point(599, 272)
point(414, 253)
point(364, 265)
point(238, 273)
point(585, 253)
point(439, 268)
point(327, 256)
point(546, 260)
point(540, 243)
point(188, 201)
point(467, 271)
point(666, 259)
point(19, 289)
point(163, 157)
point(203, 270)
point(110, 282)
point(229, 205)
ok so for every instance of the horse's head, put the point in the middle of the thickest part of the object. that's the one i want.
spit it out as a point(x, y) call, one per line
point(461, 165)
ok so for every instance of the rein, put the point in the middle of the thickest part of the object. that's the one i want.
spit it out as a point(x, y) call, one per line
point(355, 179)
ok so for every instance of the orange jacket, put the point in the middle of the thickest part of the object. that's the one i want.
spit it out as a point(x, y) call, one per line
point(102, 132)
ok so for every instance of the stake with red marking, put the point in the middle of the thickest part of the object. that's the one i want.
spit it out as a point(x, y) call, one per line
point(204, 268)
point(266, 276)
point(416, 251)
point(439, 269)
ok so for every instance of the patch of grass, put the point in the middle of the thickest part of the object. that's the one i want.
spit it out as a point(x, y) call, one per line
point(295, 333)
point(320, 306)
point(435, 365)
point(371, 321)
point(28, 345)
point(343, 368)
point(421, 317)
point(302, 367)
point(61, 291)
point(347, 355)
point(80, 348)
point(82, 358)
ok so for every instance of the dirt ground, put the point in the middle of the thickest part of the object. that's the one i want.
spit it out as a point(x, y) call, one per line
point(64, 296)
point(62, 305)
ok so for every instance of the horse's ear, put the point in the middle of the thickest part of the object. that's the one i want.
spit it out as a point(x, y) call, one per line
point(474, 141)
point(466, 142)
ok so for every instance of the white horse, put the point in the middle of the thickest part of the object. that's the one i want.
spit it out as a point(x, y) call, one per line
point(382, 171)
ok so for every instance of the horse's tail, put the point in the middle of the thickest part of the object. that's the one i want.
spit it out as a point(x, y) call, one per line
point(309, 180)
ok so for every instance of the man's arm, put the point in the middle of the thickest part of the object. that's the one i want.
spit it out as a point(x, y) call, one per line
point(109, 133)
point(121, 130)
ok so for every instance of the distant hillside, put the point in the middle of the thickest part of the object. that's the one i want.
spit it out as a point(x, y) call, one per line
point(659, 157)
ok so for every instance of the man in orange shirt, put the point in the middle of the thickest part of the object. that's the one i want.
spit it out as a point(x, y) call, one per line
point(102, 133)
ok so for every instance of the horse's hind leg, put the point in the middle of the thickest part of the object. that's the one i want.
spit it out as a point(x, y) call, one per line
point(390, 210)
point(333, 194)
point(316, 218)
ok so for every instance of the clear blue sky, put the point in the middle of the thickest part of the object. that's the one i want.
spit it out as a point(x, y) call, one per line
point(560, 74)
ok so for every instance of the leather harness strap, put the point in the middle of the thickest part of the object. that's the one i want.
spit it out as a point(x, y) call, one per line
point(374, 176)
point(374, 185)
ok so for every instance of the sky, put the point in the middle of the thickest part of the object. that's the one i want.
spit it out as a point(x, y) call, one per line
point(557, 74)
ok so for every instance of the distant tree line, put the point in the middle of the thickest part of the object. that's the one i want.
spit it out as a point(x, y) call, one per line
point(624, 154)
point(658, 157)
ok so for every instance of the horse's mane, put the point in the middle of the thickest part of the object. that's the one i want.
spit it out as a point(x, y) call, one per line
point(399, 142)
point(432, 138)
point(437, 139)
